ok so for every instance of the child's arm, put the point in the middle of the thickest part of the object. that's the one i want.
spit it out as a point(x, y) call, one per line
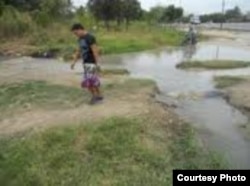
point(76, 56)
point(96, 53)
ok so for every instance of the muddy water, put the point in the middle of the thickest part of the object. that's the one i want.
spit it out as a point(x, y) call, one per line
point(194, 95)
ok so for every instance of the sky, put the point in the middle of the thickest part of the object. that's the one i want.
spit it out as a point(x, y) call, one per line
point(190, 6)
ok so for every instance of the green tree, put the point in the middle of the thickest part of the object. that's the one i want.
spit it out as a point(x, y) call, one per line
point(171, 14)
point(155, 14)
point(24, 5)
point(1, 7)
point(81, 11)
point(115, 10)
point(215, 17)
point(83, 15)
point(104, 10)
point(165, 14)
point(56, 8)
point(131, 11)
point(234, 13)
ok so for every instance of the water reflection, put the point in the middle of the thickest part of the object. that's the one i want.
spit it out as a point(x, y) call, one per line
point(189, 52)
point(220, 51)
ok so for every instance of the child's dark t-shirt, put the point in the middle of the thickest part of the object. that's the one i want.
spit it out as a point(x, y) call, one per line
point(85, 44)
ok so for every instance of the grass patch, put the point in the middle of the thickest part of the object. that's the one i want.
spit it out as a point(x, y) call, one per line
point(214, 64)
point(40, 94)
point(111, 152)
point(129, 86)
point(227, 81)
point(188, 154)
point(133, 40)
point(114, 72)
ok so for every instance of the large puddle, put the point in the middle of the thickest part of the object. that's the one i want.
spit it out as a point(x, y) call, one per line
point(195, 96)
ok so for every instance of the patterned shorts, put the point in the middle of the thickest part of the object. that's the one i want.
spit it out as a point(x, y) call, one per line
point(90, 76)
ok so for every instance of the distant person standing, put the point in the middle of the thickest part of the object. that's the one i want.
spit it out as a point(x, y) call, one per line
point(89, 53)
point(191, 36)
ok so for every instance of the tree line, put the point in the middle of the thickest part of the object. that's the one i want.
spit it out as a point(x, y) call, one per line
point(55, 8)
point(18, 16)
point(231, 15)
point(121, 11)
point(125, 11)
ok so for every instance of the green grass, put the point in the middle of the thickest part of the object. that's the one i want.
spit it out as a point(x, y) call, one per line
point(40, 94)
point(114, 72)
point(227, 81)
point(58, 38)
point(138, 40)
point(214, 64)
point(114, 152)
point(129, 86)
point(187, 152)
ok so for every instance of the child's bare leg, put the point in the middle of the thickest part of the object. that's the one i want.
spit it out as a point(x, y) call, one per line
point(92, 91)
point(97, 92)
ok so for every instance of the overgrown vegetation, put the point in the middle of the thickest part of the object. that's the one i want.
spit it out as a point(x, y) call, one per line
point(117, 151)
point(227, 81)
point(214, 64)
point(36, 94)
point(135, 41)
point(63, 44)
point(14, 23)
point(34, 28)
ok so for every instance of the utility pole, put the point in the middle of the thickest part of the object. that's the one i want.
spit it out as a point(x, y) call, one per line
point(223, 13)
point(180, 3)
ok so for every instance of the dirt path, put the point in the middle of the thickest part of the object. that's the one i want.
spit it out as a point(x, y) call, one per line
point(117, 103)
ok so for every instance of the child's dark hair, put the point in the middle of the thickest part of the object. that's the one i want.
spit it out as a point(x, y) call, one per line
point(77, 26)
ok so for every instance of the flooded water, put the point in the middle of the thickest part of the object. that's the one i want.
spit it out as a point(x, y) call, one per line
point(194, 95)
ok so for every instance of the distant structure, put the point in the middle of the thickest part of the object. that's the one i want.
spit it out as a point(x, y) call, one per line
point(195, 19)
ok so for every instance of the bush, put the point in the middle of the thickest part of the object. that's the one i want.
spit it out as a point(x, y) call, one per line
point(13, 22)
point(41, 18)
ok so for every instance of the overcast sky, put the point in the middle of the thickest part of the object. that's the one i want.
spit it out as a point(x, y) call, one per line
point(191, 6)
